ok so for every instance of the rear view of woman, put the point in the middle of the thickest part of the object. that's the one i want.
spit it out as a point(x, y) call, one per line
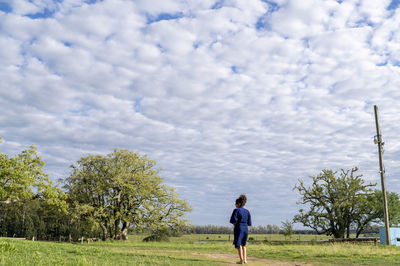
point(241, 219)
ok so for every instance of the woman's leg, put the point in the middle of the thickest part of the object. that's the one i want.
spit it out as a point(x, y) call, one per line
point(240, 251)
point(244, 254)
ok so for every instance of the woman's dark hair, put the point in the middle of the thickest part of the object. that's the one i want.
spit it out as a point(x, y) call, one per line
point(241, 200)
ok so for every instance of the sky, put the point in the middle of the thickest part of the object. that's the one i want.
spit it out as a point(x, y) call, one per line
point(229, 97)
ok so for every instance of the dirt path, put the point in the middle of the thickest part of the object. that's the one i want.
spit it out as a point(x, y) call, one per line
point(232, 259)
point(220, 258)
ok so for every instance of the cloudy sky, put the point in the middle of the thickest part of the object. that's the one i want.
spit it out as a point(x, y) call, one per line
point(230, 97)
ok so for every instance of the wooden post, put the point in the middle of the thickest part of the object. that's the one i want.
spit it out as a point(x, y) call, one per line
point(382, 171)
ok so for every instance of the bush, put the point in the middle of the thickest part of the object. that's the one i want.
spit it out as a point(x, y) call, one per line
point(175, 233)
point(160, 236)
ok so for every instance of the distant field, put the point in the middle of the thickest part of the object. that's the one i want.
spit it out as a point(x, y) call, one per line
point(257, 237)
point(192, 250)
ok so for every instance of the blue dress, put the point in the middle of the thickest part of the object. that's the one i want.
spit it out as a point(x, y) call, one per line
point(241, 219)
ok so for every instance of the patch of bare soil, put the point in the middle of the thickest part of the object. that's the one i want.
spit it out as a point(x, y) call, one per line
point(232, 259)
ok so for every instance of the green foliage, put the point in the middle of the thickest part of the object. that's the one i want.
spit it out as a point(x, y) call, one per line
point(20, 174)
point(22, 178)
point(103, 193)
point(159, 236)
point(287, 228)
point(30, 205)
point(122, 188)
point(336, 203)
point(34, 218)
point(376, 201)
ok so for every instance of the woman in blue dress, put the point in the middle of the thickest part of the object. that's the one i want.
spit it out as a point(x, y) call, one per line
point(241, 219)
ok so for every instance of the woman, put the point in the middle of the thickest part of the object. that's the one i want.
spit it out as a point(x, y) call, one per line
point(241, 219)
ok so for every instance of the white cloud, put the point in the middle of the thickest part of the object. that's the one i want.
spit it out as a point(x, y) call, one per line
point(374, 11)
point(155, 7)
point(300, 19)
point(224, 107)
point(26, 7)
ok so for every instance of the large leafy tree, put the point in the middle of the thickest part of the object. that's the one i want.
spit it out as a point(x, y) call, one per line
point(123, 190)
point(24, 186)
point(393, 199)
point(373, 211)
point(393, 206)
point(335, 202)
point(165, 210)
point(22, 179)
point(88, 190)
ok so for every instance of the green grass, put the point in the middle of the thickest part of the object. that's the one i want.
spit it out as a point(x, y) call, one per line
point(191, 250)
point(107, 253)
point(331, 254)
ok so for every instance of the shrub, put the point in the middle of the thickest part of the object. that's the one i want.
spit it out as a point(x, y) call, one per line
point(160, 236)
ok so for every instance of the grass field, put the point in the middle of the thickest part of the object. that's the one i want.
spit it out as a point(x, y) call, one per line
point(193, 250)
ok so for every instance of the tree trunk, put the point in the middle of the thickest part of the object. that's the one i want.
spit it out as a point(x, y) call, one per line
point(339, 233)
point(117, 215)
point(124, 231)
point(104, 228)
point(23, 229)
point(117, 229)
point(359, 229)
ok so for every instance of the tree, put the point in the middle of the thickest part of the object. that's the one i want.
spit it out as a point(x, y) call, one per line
point(166, 210)
point(20, 175)
point(287, 228)
point(23, 187)
point(88, 188)
point(374, 211)
point(120, 191)
point(273, 229)
point(393, 200)
point(335, 203)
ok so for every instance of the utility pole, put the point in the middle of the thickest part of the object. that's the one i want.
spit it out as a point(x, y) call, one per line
point(382, 171)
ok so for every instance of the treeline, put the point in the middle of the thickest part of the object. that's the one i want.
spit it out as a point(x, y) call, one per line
point(104, 197)
point(269, 229)
point(218, 229)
